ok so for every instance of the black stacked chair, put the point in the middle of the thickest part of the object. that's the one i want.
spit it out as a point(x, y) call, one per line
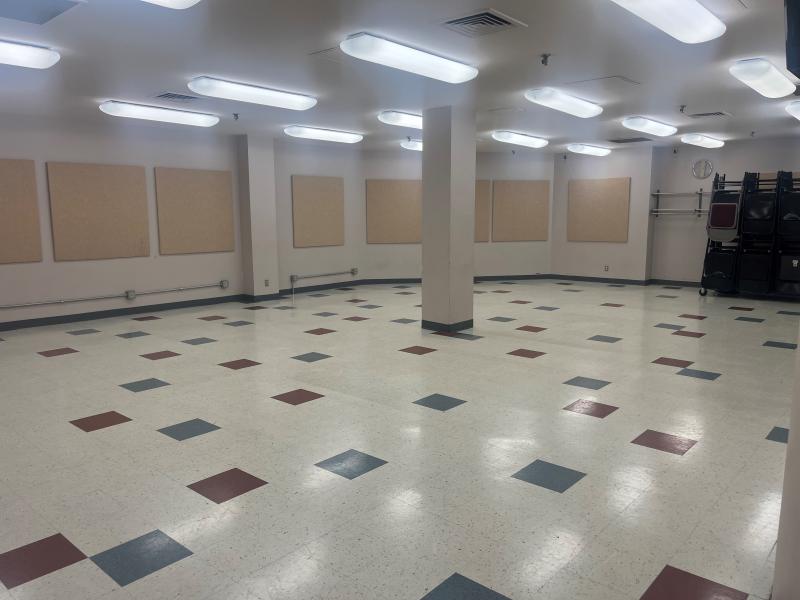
point(722, 251)
point(757, 252)
point(788, 268)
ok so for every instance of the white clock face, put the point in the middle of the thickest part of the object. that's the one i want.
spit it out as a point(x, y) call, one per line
point(702, 169)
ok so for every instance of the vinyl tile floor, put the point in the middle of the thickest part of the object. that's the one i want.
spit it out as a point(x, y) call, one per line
point(224, 453)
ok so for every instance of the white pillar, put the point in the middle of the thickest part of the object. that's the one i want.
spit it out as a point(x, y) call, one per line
point(448, 218)
point(258, 219)
point(787, 559)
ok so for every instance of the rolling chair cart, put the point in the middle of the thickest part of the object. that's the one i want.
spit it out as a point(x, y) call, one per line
point(757, 237)
point(787, 281)
point(722, 250)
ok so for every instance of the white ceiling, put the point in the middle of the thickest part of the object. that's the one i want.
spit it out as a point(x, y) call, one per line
point(131, 50)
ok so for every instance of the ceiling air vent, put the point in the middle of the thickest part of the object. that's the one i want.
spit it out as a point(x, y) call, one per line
point(708, 115)
point(482, 23)
point(632, 140)
point(37, 12)
point(175, 97)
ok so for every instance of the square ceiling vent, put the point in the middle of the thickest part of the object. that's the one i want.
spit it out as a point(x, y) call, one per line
point(482, 23)
point(37, 12)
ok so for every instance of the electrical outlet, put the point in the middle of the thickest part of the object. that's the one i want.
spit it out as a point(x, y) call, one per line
point(266, 283)
point(605, 268)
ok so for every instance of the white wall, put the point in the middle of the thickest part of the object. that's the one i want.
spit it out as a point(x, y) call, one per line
point(588, 259)
point(146, 146)
point(679, 242)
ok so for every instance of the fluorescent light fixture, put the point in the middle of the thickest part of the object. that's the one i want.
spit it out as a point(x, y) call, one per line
point(176, 4)
point(25, 55)
point(520, 139)
point(552, 98)
point(401, 119)
point(649, 126)
point(229, 90)
point(793, 108)
point(763, 77)
point(155, 113)
point(412, 145)
point(586, 149)
point(326, 135)
point(697, 139)
point(686, 20)
point(391, 54)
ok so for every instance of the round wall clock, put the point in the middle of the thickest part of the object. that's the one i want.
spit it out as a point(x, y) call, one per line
point(702, 169)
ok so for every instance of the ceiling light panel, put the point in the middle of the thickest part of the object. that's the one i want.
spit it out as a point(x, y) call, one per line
point(230, 90)
point(557, 100)
point(415, 145)
point(686, 20)
point(176, 4)
point(697, 139)
point(325, 135)
point(155, 113)
point(587, 149)
point(397, 56)
point(793, 108)
point(400, 119)
point(649, 126)
point(763, 77)
point(519, 139)
point(25, 55)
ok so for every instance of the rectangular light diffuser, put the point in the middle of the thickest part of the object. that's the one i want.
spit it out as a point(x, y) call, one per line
point(520, 139)
point(697, 139)
point(230, 90)
point(686, 20)
point(400, 119)
point(325, 135)
point(557, 100)
point(763, 77)
point(793, 109)
point(649, 126)
point(25, 55)
point(155, 113)
point(412, 145)
point(587, 149)
point(391, 54)
point(176, 4)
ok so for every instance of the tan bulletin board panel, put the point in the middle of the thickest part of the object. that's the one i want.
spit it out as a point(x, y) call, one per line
point(20, 235)
point(598, 210)
point(520, 211)
point(483, 209)
point(195, 211)
point(98, 211)
point(317, 211)
point(394, 211)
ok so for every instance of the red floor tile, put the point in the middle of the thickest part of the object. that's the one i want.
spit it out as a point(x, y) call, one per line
point(531, 328)
point(161, 354)
point(212, 318)
point(227, 485)
point(420, 350)
point(57, 352)
point(240, 363)
point(296, 397)
point(695, 317)
point(673, 362)
point(320, 331)
point(522, 352)
point(148, 318)
point(356, 319)
point(612, 305)
point(691, 334)
point(665, 442)
point(674, 584)
point(591, 408)
point(30, 562)
point(101, 421)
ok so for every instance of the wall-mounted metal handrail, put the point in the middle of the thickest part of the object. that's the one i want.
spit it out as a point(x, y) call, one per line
point(128, 295)
point(295, 278)
point(658, 194)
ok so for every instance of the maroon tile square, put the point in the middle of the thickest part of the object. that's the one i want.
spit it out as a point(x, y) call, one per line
point(673, 362)
point(691, 334)
point(296, 397)
point(32, 561)
point(674, 584)
point(320, 331)
point(612, 305)
point(519, 302)
point(58, 352)
point(531, 328)
point(526, 353)
point(147, 318)
point(255, 308)
point(356, 319)
point(742, 308)
point(161, 354)
point(418, 350)
point(356, 300)
point(101, 421)
point(212, 318)
point(240, 363)
point(591, 408)
point(501, 291)
point(666, 442)
point(227, 485)
point(695, 317)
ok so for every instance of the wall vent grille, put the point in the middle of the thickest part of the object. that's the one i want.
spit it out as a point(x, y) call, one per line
point(633, 140)
point(176, 97)
point(708, 115)
point(482, 23)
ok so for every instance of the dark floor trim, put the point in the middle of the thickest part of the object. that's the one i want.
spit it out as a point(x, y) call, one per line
point(448, 328)
point(262, 298)
point(354, 282)
point(479, 278)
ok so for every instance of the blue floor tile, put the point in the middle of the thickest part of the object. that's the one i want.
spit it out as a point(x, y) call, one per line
point(779, 434)
point(784, 345)
point(369, 306)
point(708, 375)
point(604, 338)
point(404, 321)
point(587, 382)
point(144, 385)
point(548, 308)
point(547, 475)
point(439, 402)
point(139, 558)
point(351, 464)
point(237, 323)
point(793, 313)
point(199, 341)
point(325, 314)
point(671, 326)
point(311, 357)
point(188, 429)
point(502, 319)
point(458, 587)
point(83, 331)
point(132, 334)
point(750, 319)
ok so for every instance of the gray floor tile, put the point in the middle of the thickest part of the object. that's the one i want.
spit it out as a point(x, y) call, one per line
point(318, 295)
point(138, 558)
point(439, 402)
point(784, 345)
point(351, 464)
point(779, 434)
point(83, 331)
point(750, 319)
point(284, 307)
point(670, 326)
point(311, 357)
point(237, 323)
point(708, 375)
point(405, 293)
point(325, 314)
point(199, 341)
point(502, 319)
point(188, 429)
point(132, 334)
point(550, 476)
point(405, 321)
point(458, 587)
point(666, 296)
point(604, 338)
point(369, 306)
point(793, 313)
point(144, 385)
point(548, 308)
point(587, 382)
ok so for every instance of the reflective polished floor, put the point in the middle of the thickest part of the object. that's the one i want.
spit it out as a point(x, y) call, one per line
point(583, 442)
